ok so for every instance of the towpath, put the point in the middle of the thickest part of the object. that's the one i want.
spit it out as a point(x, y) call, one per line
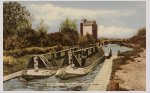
point(8, 77)
point(103, 77)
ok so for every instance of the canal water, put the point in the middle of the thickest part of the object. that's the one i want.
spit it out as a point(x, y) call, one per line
point(41, 84)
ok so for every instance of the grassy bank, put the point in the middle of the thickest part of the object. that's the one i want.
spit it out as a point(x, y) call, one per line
point(122, 61)
point(20, 64)
point(32, 50)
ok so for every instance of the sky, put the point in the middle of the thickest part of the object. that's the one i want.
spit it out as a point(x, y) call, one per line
point(115, 19)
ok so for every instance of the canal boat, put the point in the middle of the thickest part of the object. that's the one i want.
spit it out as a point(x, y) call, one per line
point(79, 66)
point(45, 65)
point(38, 67)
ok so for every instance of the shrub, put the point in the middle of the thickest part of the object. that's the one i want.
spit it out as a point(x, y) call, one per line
point(34, 50)
point(9, 60)
point(90, 38)
point(83, 41)
point(66, 40)
point(55, 38)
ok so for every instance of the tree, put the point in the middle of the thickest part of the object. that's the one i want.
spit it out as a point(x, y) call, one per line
point(55, 38)
point(83, 41)
point(66, 40)
point(141, 33)
point(90, 38)
point(134, 39)
point(42, 27)
point(70, 27)
point(42, 33)
point(15, 17)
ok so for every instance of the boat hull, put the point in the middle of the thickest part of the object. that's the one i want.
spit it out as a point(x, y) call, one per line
point(70, 72)
point(33, 74)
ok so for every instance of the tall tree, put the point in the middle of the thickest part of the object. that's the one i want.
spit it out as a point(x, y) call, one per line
point(15, 17)
point(42, 26)
point(70, 27)
point(42, 32)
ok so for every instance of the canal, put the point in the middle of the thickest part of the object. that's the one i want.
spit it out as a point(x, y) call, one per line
point(41, 84)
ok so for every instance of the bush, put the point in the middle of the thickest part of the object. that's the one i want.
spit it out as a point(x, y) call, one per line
point(8, 43)
point(9, 60)
point(20, 65)
point(90, 38)
point(83, 41)
point(14, 53)
point(140, 38)
point(34, 50)
point(101, 40)
point(66, 40)
point(56, 38)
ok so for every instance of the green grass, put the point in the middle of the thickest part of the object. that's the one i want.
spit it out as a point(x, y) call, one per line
point(32, 50)
point(20, 65)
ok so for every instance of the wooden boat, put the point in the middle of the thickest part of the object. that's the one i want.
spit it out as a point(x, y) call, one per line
point(74, 67)
point(44, 65)
point(38, 67)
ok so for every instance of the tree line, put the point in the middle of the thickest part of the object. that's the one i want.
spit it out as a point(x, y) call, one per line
point(139, 38)
point(18, 32)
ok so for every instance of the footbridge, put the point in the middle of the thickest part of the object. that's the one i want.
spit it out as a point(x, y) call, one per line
point(112, 41)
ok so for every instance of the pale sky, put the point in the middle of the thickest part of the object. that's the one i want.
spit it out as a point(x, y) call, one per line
point(115, 19)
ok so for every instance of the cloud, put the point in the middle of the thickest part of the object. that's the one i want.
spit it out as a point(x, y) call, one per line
point(114, 32)
point(52, 13)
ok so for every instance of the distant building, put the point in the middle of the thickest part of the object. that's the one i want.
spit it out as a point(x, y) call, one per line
point(88, 27)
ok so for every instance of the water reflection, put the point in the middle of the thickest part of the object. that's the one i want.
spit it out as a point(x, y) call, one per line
point(116, 47)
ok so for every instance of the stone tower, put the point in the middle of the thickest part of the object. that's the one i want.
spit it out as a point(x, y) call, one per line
point(88, 27)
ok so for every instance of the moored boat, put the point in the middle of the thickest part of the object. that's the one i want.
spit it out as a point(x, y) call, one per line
point(38, 67)
point(45, 65)
point(78, 66)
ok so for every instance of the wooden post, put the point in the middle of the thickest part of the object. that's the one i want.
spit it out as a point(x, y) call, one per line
point(114, 86)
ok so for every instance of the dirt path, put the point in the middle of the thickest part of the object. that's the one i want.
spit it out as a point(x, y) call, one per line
point(133, 74)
